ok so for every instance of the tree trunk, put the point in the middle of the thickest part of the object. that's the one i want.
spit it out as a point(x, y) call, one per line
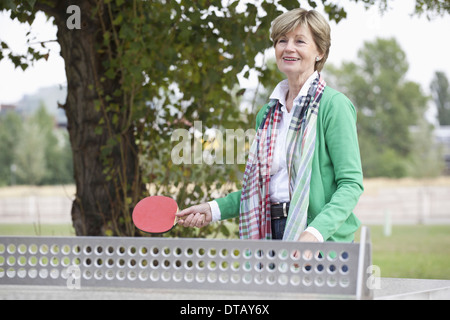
point(104, 192)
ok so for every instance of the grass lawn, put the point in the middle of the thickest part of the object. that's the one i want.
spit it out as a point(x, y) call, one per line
point(412, 251)
point(52, 230)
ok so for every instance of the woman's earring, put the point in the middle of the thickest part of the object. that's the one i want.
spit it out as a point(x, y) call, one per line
point(317, 59)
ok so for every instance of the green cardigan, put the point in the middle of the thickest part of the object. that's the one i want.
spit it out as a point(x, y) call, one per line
point(336, 178)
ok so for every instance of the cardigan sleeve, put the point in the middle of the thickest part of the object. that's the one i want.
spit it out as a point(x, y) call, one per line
point(229, 205)
point(339, 129)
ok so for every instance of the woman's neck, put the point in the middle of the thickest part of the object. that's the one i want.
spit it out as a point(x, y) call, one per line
point(295, 85)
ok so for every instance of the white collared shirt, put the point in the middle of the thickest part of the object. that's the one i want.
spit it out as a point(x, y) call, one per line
point(279, 180)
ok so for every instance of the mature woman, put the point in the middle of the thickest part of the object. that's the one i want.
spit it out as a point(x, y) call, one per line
point(303, 176)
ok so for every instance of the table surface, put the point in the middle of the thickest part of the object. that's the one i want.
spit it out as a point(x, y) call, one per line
point(389, 288)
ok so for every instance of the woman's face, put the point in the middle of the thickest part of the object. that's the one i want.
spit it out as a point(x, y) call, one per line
point(296, 53)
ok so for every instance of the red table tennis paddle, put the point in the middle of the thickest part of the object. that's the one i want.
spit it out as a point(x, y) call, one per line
point(155, 214)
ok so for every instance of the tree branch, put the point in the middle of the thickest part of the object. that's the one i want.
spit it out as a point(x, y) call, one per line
point(49, 10)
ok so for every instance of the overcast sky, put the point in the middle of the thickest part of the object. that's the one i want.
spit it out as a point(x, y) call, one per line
point(425, 43)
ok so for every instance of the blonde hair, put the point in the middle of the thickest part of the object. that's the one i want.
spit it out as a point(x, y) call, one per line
point(319, 27)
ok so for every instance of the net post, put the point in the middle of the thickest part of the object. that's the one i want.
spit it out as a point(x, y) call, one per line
point(363, 290)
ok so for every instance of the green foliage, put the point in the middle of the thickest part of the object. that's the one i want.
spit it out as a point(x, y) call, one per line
point(440, 90)
point(10, 128)
point(427, 158)
point(32, 151)
point(388, 106)
point(432, 8)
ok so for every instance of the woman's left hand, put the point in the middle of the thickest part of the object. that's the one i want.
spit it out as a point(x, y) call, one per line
point(306, 237)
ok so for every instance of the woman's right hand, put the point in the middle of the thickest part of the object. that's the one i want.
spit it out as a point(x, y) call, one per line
point(196, 216)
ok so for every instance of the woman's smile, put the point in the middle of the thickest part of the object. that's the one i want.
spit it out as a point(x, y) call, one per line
point(290, 59)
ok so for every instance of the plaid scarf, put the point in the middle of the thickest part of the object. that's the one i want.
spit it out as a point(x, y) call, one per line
point(255, 218)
